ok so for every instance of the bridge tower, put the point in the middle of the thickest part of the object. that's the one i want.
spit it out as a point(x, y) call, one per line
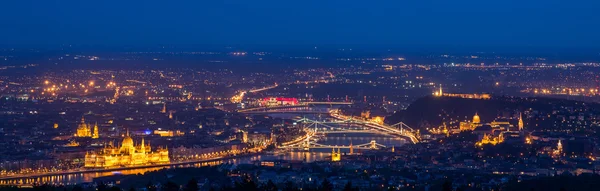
point(401, 126)
point(307, 144)
point(373, 144)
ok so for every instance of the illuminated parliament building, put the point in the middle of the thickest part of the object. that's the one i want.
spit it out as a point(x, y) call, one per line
point(128, 154)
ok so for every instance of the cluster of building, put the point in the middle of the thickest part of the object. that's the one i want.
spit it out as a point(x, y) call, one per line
point(495, 132)
point(278, 101)
point(86, 130)
point(126, 154)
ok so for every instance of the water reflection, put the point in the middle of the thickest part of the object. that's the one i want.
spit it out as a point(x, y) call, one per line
point(310, 156)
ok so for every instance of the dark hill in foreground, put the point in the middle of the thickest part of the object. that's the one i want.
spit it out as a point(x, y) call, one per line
point(585, 182)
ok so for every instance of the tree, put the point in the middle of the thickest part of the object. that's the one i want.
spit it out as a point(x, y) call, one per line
point(348, 187)
point(101, 186)
point(77, 188)
point(326, 185)
point(171, 186)
point(151, 187)
point(270, 186)
point(246, 185)
point(289, 186)
point(447, 186)
point(114, 188)
point(192, 185)
point(43, 187)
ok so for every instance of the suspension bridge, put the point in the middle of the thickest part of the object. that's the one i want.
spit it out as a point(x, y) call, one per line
point(301, 108)
point(313, 128)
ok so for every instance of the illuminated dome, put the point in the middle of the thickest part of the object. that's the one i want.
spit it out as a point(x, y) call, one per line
point(82, 125)
point(127, 142)
point(476, 119)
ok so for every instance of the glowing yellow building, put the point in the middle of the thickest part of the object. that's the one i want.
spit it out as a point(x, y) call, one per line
point(488, 139)
point(72, 143)
point(164, 109)
point(126, 155)
point(439, 93)
point(86, 130)
point(470, 126)
point(559, 149)
point(476, 119)
point(520, 122)
point(365, 114)
point(466, 126)
point(378, 119)
point(336, 156)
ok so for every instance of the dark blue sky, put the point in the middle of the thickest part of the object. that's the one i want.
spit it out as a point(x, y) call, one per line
point(506, 23)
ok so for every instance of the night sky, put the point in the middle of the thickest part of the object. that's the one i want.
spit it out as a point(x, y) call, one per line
point(553, 23)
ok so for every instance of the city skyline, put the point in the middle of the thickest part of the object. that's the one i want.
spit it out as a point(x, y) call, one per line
point(329, 95)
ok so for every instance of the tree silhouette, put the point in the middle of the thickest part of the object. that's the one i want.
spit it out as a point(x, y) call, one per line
point(77, 188)
point(270, 186)
point(101, 186)
point(170, 186)
point(151, 187)
point(114, 188)
point(289, 186)
point(326, 185)
point(447, 186)
point(43, 187)
point(348, 187)
point(192, 185)
point(246, 185)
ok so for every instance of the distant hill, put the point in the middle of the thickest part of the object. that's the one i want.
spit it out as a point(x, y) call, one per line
point(429, 111)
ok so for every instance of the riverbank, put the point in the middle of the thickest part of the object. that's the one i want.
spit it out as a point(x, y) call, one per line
point(83, 170)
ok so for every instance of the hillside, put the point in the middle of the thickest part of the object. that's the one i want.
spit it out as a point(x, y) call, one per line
point(429, 111)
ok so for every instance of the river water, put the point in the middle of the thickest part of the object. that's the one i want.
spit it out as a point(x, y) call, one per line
point(310, 156)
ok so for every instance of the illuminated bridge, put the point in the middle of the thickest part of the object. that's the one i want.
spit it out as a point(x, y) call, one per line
point(327, 103)
point(313, 128)
point(306, 145)
point(289, 109)
point(399, 129)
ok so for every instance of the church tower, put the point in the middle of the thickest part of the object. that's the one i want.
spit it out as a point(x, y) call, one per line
point(95, 134)
point(520, 122)
point(143, 147)
point(559, 146)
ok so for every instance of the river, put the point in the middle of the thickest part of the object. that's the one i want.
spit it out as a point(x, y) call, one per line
point(310, 156)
